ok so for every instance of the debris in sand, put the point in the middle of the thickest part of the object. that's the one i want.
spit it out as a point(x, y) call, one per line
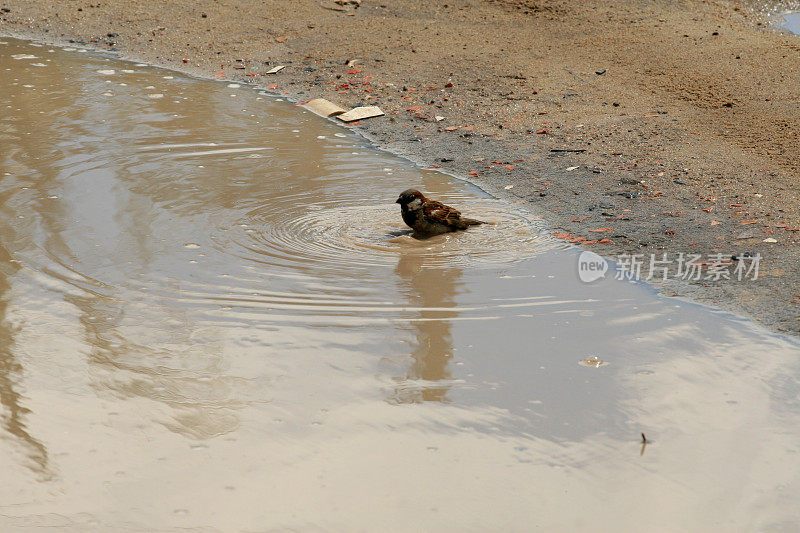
point(594, 362)
point(273, 70)
point(323, 107)
point(358, 113)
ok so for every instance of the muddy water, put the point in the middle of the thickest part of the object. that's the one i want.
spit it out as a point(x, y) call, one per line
point(213, 318)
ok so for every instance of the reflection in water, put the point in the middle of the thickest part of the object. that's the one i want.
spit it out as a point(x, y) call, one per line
point(430, 289)
point(11, 371)
point(188, 379)
point(204, 290)
point(14, 412)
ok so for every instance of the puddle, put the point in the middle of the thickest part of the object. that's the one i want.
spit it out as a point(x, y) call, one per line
point(791, 21)
point(211, 317)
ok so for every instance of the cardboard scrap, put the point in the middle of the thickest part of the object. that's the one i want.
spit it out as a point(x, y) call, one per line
point(358, 113)
point(324, 108)
point(273, 70)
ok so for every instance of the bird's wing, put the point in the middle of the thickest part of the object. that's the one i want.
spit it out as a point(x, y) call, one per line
point(438, 212)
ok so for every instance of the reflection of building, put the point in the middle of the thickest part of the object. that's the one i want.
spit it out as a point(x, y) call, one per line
point(431, 290)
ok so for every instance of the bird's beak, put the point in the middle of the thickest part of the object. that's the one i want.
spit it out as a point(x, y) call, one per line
point(397, 201)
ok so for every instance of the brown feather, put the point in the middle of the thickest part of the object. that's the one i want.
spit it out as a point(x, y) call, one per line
point(429, 216)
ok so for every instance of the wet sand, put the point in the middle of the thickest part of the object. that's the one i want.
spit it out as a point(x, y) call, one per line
point(684, 113)
point(204, 327)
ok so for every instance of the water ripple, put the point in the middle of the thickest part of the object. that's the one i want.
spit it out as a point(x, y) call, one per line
point(362, 237)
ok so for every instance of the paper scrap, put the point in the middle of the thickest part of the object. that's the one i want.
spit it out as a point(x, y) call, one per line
point(323, 107)
point(358, 113)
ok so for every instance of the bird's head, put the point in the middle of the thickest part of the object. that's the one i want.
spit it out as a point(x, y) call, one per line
point(410, 198)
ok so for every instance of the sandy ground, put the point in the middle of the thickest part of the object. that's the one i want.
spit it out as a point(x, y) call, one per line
point(680, 119)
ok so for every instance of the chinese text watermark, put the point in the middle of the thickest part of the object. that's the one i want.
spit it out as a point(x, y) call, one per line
point(681, 266)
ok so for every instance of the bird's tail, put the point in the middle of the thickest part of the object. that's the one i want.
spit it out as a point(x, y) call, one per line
point(472, 222)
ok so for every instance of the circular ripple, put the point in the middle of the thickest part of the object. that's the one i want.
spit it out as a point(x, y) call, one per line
point(372, 236)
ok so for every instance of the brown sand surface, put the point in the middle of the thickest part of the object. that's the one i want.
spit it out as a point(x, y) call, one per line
point(681, 118)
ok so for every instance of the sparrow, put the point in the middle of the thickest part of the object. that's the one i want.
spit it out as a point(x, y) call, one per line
point(430, 217)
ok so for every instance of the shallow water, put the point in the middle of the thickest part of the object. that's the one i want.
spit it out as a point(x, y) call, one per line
point(791, 21)
point(212, 318)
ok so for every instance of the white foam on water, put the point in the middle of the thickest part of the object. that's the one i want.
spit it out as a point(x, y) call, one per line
point(223, 151)
point(182, 145)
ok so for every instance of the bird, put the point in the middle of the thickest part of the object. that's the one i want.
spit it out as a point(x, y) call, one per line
point(429, 217)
